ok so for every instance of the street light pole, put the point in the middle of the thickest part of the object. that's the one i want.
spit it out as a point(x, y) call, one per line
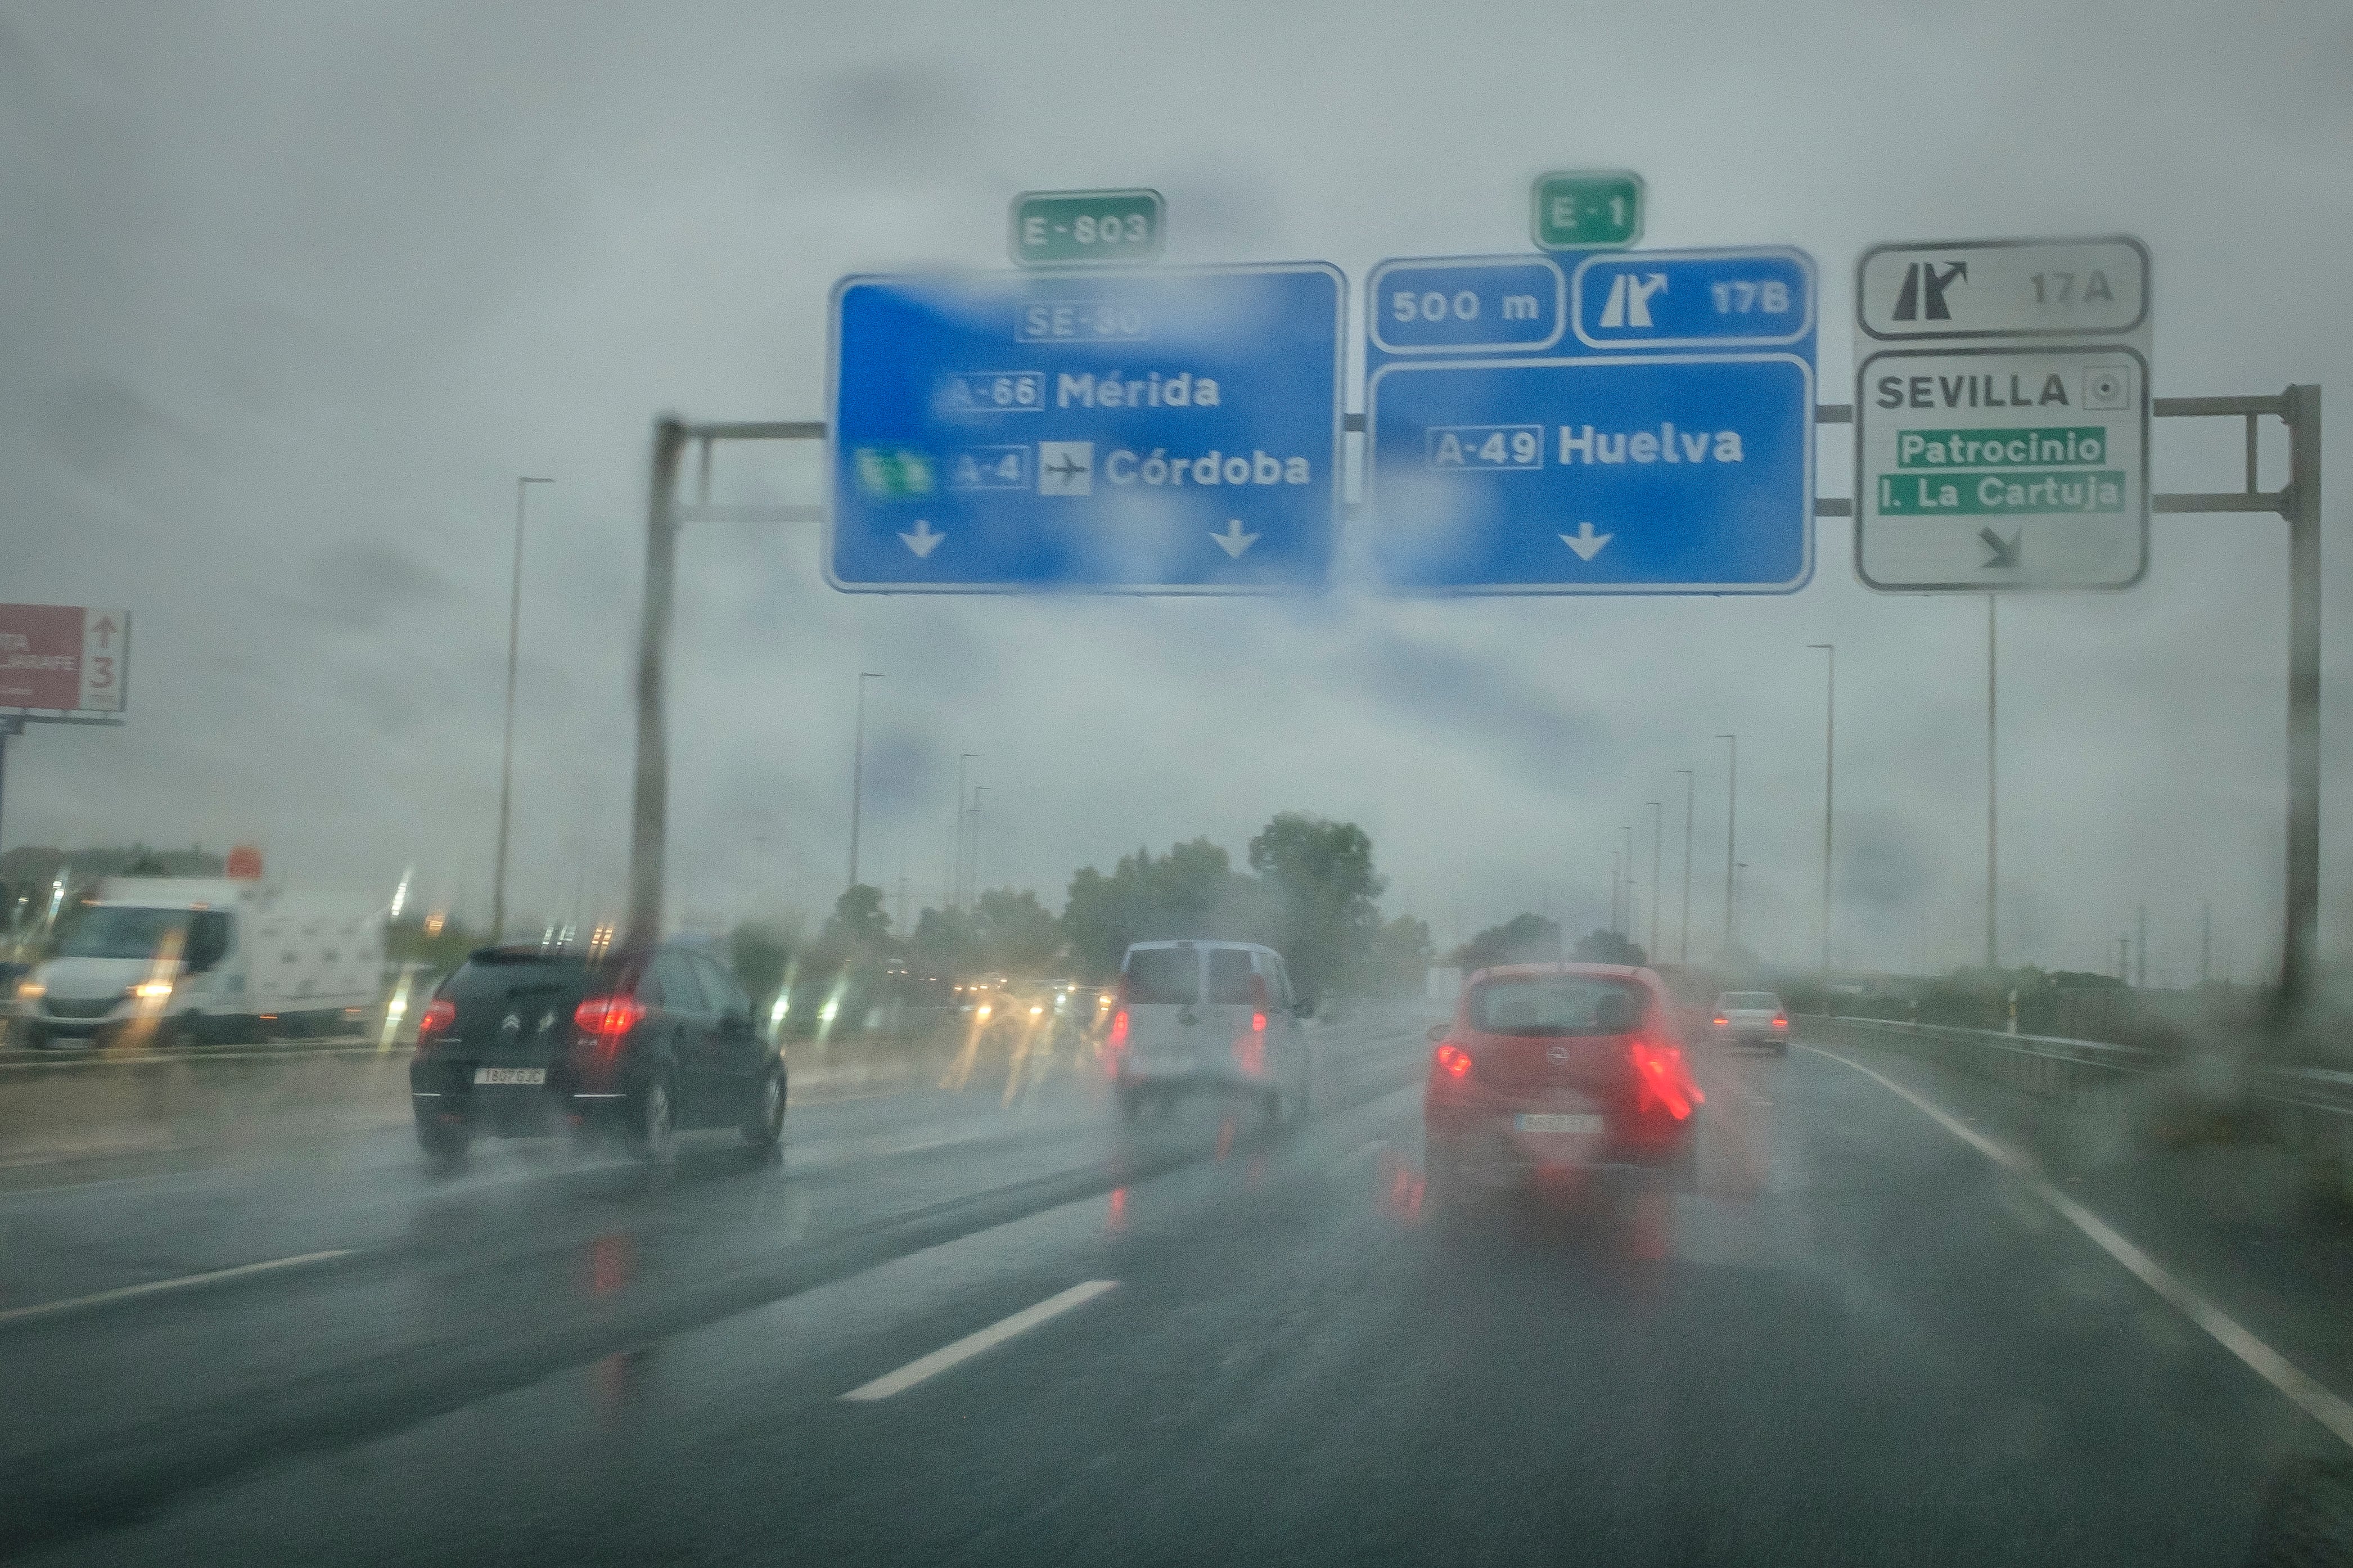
point(1731, 836)
point(1658, 830)
point(1691, 786)
point(858, 771)
point(1616, 881)
point(1626, 929)
point(955, 851)
point(506, 750)
point(973, 855)
point(1829, 776)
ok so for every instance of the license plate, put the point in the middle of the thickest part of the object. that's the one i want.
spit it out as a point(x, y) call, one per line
point(1584, 1121)
point(510, 1075)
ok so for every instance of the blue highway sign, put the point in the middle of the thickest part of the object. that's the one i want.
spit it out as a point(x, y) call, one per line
point(1662, 443)
point(1171, 431)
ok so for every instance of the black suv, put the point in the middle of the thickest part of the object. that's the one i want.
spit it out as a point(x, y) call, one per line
point(522, 1041)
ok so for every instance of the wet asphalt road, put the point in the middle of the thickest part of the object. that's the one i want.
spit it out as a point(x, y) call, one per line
point(1858, 1341)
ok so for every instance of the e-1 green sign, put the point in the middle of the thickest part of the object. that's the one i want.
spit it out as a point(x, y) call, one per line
point(1075, 229)
point(1586, 209)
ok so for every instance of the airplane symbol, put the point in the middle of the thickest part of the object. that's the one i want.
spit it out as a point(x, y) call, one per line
point(1066, 468)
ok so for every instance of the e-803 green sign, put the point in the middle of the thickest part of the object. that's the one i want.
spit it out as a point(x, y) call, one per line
point(1588, 209)
point(1077, 229)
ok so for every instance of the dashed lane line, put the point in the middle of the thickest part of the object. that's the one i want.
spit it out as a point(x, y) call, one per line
point(930, 1366)
point(185, 1281)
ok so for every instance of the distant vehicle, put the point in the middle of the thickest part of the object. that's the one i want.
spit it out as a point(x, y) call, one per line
point(524, 1040)
point(193, 960)
point(1751, 1018)
point(1556, 1068)
point(1207, 1016)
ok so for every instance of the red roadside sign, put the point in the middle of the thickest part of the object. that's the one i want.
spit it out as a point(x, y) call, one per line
point(63, 659)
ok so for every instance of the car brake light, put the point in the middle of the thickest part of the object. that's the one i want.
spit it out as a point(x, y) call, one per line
point(1119, 1030)
point(1661, 1080)
point(1721, 1022)
point(1452, 1060)
point(1781, 1020)
point(434, 1022)
point(609, 1017)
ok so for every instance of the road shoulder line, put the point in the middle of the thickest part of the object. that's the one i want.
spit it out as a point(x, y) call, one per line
point(2304, 1392)
point(182, 1282)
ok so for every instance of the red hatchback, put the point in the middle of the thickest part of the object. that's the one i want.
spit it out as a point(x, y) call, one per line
point(1556, 1070)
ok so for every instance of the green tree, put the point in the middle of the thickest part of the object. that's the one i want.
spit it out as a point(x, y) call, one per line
point(1322, 875)
point(1191, 891)
point(857, 928)
point(1015, 933)
point(1523, 939)
point(1608, 947)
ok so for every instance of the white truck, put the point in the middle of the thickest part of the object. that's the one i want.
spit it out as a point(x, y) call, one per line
point(193, 960)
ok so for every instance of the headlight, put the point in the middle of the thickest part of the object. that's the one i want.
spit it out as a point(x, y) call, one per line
point(30, 991)
point(151, 990)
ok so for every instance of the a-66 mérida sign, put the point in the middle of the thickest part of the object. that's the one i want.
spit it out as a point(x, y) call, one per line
point(63, 659)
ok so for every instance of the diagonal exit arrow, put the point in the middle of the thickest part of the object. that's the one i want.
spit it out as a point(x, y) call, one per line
point(1233, 541)
point(922, 541)
point(1585, 541)
point(2001, 552)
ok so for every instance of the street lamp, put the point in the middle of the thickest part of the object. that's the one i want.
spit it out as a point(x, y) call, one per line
point(1731, 836)
point(1829, 776)
point(1691, 785)
point(973, 855)
point(857, 771)
point(1626, 926)
point(506, 754)
point(955, 847)
point(1658, 830)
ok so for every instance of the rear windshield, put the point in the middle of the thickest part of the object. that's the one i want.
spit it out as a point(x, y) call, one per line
point(1163, 975)
point(1556, 1004)
point(490, 975)
point(1750, 999)
point(1230, 978)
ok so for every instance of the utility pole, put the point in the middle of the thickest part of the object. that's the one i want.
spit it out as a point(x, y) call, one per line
point(1829, 778)
point(2205, 944)
point(1731, 835)
point(903, 931)
point(2124, 958)
point(858, 771)
point(1657, 839)
point(1691, 785)
point(1615, 885)
point(506, 750)
point(1993, 862)
point(2140, 950)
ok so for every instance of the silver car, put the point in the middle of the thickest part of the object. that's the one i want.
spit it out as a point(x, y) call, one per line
point(1220, 1017)
point(1751, 1018)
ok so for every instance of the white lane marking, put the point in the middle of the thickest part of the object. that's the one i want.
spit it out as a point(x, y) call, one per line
point(971, 1345)
point(125, 1292)
point(2315, 1399)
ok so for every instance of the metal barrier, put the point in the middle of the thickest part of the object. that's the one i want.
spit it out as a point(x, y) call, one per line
point(2309, 1110)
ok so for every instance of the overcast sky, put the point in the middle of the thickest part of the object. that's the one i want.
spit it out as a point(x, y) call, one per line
point(295, 291)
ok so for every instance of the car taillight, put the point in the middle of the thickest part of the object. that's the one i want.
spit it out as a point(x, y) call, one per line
point(1119, 1030)
point(1780, 1020)
point(1662, 1083)
point(434, 1023)
point(1721, 1022)
point(608, 1017)
point(1452, 1060)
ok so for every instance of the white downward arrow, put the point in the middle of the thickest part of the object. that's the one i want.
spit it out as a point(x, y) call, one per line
point(923, 541)
point(1233, 541)
point(1585, 541)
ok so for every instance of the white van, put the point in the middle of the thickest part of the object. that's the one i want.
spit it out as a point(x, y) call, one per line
point(1220, 1016)
point(187, 959)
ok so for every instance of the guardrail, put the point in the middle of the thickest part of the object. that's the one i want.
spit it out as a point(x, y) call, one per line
point(2307, 1108)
